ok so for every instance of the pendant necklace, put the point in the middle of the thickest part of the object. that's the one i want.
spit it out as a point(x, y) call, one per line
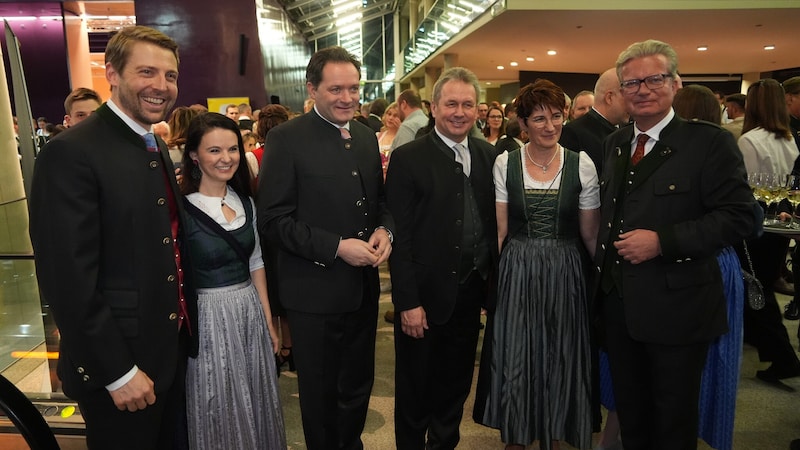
point(541, 166)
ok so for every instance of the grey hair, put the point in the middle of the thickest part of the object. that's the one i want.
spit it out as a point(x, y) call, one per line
point(649, 47)
point(457, 74)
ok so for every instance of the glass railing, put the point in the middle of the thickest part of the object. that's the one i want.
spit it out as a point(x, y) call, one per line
point(445, 19)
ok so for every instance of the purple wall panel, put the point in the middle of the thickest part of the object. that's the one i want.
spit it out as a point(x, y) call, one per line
point(209, 33)
point(43, 49)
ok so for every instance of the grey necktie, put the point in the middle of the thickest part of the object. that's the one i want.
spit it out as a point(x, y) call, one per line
point(462, 156)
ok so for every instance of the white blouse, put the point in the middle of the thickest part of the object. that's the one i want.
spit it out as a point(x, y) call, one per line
point(763, 152)
point(213, 207)
point(589, 197)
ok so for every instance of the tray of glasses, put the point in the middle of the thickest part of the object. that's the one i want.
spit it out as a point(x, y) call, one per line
point(782, 227)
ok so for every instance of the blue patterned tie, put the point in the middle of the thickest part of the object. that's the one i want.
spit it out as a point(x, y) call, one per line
point(150, 142)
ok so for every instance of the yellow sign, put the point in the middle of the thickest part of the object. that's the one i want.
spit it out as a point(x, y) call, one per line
point(219, 104)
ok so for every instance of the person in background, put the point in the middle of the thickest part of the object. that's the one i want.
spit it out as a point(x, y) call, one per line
point(515, 138)
point(547, 204)
point(581, 104)
point(483, 111)
point(179, 124)
point(245, 119)
point(495, 125)
point(721, 371)
point(232, 388)
point(734, 109)
point(128, 319)
point(391, 123)
point(409, 107)
point(439, 188)
point(375, 117)
point(322, 210)
point(767, 147)
point(232, 111)
point(161, 129)
point(80, 104)
point(674, 194)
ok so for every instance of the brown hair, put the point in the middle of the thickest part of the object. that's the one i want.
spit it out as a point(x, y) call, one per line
point(324, 56)
point(179, 124)
point(697, 102)
point(765, 107)
point(119, 46)
point(80, 94)
point(270, 117)
point(537, 95)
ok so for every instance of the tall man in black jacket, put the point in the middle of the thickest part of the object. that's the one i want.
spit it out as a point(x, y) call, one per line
point(674, 193)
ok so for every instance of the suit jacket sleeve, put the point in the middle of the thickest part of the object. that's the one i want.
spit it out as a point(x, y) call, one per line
point(66, 226)
point(726, 197)
point(278, 205)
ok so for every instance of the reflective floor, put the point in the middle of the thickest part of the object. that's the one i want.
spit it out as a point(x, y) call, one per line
point(767, 418)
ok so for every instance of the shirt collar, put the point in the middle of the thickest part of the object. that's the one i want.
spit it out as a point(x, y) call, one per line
point(138, 129)
point(346, 126)
point(451, 143)
point(656, 130)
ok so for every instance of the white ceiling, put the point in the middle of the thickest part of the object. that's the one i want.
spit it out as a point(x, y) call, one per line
point(590, 41)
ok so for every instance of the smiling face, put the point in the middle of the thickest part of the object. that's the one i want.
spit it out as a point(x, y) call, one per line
point(455, 110)
point(648, 106)
point(336, 96)
point(217, 156)
point(543, 127)
point(147, 87)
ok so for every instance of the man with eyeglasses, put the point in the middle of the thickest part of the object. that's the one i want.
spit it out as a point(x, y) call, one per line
point(674, 193)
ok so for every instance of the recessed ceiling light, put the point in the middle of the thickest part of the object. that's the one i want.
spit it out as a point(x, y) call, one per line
point(702, 48)
point(500, 67)
point(513, 64)
point(488, 83)
point(529, 59)
point(769, 47)
point(551, 52)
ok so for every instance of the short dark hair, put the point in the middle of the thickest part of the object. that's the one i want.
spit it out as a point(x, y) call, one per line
point(199, 127)
point(378, 107)
point(739, 99)
point(410, 97)
point(324, 56)
point(792, 85)
point(119, 46)
point(537, 95)
point(513, 129)
point(80, 94)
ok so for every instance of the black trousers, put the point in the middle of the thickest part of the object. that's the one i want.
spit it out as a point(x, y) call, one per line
point(657, 387)
point(335, 359)
point(433, 374)
point(161, 425)
point(764, 328)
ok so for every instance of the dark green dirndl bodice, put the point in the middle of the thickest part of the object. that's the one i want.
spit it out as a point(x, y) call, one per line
point(214, 262)
point(543, 213)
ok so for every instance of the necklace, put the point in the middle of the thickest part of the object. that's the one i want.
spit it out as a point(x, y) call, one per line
point(544, 166)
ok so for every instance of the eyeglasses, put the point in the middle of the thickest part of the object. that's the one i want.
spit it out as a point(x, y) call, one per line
point(495, 117)
point(652, 82)
point(541, 121)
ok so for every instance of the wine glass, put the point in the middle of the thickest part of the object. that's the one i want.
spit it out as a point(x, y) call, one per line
point(793, 194)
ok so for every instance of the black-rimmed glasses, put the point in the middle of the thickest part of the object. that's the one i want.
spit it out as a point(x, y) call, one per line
point(652, 82)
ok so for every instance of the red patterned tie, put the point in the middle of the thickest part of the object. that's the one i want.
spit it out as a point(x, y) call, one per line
point(345, 132)
point(638, 154)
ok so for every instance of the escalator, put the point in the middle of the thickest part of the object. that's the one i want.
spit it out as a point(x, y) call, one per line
point(42, 417)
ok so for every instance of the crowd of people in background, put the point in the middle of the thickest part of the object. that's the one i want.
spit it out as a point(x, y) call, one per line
point(602, 235)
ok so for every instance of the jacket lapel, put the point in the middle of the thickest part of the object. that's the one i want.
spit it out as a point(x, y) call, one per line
point(660, 153)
